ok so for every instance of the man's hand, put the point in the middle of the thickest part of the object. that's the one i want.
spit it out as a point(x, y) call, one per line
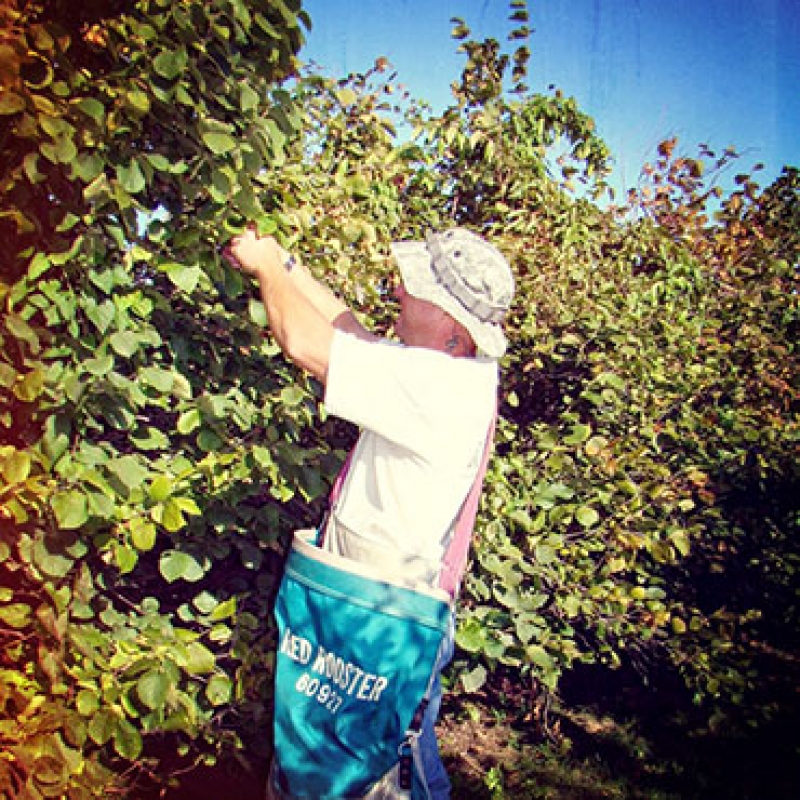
point(256, 255)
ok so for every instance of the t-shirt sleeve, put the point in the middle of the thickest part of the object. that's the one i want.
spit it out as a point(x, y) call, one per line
point(392, 390)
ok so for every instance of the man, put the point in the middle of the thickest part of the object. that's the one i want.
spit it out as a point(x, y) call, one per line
point(424, 406)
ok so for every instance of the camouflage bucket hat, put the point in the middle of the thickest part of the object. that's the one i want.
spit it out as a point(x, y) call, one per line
point(464, 275)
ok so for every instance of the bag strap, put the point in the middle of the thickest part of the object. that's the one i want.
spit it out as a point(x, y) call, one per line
point(333, 496)
point(455, 558)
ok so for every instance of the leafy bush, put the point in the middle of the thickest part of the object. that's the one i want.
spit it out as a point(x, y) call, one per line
point(146, 419)
point(158, 449)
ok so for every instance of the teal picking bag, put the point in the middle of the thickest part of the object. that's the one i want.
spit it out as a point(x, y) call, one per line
point(356, 654)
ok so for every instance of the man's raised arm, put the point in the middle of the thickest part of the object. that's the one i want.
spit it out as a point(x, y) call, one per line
point(302, 312)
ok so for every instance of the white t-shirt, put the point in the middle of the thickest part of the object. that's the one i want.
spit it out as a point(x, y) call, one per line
point(424, 418)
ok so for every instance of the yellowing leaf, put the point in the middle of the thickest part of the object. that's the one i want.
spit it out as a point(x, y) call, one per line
point(11, 103)
point(346, 97)
point(172, 517)
point(160, 488)
point(16, 466)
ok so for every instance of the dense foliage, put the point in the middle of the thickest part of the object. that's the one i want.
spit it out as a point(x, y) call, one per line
point(157, 449)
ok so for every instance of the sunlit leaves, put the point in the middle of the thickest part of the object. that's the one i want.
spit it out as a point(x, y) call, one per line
point(177, 565)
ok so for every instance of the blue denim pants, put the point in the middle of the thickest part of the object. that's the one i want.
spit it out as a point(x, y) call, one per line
point(435, 773)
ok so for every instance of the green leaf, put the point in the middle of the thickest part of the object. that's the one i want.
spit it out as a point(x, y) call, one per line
point(176, 565)
point(129, 470)
point(62, 151)
point(571, 605)
point(539, 656)
point(219, 143)
point(224, 610)
point(16, 467)
point(470, 636)
point(101, 314)
point(99, 366)
point(205, 602)
point(8, 375)
point(153, 688)
point(257, 312)
point(149, 438)
point(70, 509)
point(56, 565)
point(16, 615)
point(125, 343)
point(87, 167)
point(131, 177)
point(681, 541)
point(87, 702)
point(219, 690)
point(579, 434)
point(248, 98)
point(181, 387)
point(170, 63)
point(545, 554)
point(139, 101)
point(185, 278)
point(292, 395)
point(160, 379)
point(22, 330)
point(188, 421)
point(187, 505)
point(102, 725)
point(473, 680)
point(199, 659)
point(587, 516)
point(92, 108)
point(125, 557)
point(127, 740)
point(143, 534)
point(40, 263)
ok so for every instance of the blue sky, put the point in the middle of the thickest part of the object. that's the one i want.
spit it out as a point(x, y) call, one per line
point(721, 72)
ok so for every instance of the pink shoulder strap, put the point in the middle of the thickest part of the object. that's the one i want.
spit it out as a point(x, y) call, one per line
point(455, 559)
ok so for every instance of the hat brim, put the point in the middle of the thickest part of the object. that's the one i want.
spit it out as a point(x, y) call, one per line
point(414, 262)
